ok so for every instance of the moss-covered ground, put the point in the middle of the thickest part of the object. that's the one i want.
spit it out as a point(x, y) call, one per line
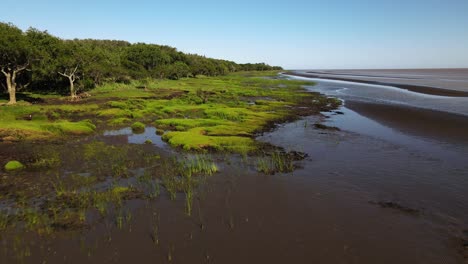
point(200, 114)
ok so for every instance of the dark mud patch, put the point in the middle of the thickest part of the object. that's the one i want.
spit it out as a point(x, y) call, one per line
point(325, 127)
point(70, 225)
point(23, 97)
point(164, 93)
point(65, 100)
point(465, 244)
point(396, 206)
point(251, 100)
point(462, 244)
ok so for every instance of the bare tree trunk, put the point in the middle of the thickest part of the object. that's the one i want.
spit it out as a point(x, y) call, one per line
point(11, 87)
point(72, 88)
point(10, 76)
point(71, 78)
point(12, 93)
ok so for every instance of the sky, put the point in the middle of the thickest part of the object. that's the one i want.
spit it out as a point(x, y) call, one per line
point(294, 34)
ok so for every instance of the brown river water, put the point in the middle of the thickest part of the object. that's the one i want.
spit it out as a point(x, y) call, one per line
point(391, 186)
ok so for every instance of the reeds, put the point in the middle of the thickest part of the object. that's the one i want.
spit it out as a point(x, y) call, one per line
point(277, 162)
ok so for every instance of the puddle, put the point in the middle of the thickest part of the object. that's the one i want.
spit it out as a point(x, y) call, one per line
point(140, 138)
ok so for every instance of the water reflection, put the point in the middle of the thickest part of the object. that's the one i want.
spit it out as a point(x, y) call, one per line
point(142, 138)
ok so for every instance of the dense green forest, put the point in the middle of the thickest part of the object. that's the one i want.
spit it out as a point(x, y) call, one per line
point(34, 60)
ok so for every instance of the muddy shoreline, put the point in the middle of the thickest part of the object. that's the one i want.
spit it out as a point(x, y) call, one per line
point(410, 120)
point(410, 87)
point(407, 161)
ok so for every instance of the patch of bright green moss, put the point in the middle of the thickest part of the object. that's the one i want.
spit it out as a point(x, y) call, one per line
point(221, 112)
point(71, 108)
point(13, 165)
point(71, 128)
point(118, 121)
point(42, 130)
point(184, 124)
point(233, 114)
point(114, 112)
point(195, 139)
point(138, 127)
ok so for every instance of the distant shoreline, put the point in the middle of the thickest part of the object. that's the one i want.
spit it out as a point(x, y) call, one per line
point(410, 87)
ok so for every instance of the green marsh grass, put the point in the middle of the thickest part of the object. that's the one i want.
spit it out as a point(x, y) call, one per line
point(199, 114)
point(276, 162)
point(4, 219)
point(155, 228)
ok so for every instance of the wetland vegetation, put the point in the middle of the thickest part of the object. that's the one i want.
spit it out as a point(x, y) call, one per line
point(113, 150)
point(65, 169)
point(61, 176)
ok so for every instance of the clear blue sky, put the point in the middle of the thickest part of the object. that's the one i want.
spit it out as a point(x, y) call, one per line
point(294, 34)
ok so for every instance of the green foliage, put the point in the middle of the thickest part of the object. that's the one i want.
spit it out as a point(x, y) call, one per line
point(15, 49)
point(95, 62)
point(16, 55)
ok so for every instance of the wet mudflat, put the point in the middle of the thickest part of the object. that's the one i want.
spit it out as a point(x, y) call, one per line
point(449, 82)
point(377, 188)
point(355, 199)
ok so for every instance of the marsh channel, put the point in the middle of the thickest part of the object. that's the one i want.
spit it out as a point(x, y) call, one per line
point(384, 181)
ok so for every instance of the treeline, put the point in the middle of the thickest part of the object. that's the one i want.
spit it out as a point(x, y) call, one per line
point(36, 60)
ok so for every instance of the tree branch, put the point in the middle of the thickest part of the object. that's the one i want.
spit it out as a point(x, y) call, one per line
point(63, 74)
point(4, 72)
point(23, 67)
point(23, 86)
point(74, 71)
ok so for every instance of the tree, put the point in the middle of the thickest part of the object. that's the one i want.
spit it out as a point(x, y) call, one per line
point(161, 71)
point(15, 57)
point(46, 50)
point(178, 70)
point(44, 62)
point(147, 55)
point(72, 61)
point(70, 73)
